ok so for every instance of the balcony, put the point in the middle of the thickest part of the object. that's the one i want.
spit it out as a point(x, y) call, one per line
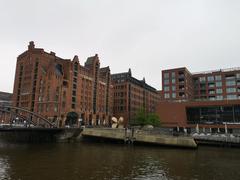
point(211, 92)
point(181, 81)
point(211, 85)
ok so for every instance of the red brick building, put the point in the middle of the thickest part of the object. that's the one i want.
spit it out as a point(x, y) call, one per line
point(131, 94)
point(210, 99)
point(62, 90)
point(180, 84)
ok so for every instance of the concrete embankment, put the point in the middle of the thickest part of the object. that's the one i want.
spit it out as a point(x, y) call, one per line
point(137, 136)
point(228, 140)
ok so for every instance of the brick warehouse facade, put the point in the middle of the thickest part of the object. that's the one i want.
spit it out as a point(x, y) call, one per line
point(60, 88)
point(131, 94)
point(210, 99)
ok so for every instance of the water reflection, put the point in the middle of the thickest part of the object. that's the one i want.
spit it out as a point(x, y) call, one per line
point(104, 162)
point(4, 166)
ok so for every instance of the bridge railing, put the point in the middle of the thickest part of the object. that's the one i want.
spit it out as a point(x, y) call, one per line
point(16, 113)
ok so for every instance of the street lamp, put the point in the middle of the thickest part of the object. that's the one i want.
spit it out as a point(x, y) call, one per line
point(17, 118)
point(79, 122)
point(25, 123)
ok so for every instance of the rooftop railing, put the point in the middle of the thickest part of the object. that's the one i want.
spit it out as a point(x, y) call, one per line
point(217, 70)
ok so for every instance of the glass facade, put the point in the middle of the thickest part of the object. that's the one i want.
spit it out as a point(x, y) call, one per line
point(213, 114)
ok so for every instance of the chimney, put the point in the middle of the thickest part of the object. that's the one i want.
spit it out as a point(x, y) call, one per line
point(31, 45)
point(53, 53)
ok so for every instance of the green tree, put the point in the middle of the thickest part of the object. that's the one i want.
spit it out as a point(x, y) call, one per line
point(153, 119)
point(142, 118)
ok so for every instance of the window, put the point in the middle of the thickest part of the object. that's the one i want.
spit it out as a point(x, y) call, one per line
point(166, 75)
point(166, 95)
point(75, 66)
point(63, 104)
point(230, 83)
point(173, 95)
point(238, 76)
point(55, 107)
point(210, 78)
point(75, 80)
point(173, 81)
point(74, 86)
point(218, 77)
point(73, 106)
point(219, 91)
point(173, 74)
point(74, 93)
point(166, 81)
point(211, 85)
point(211, 98)
point(173, 88)
point(75, 73)
point(73, 99)
point(219, 97)
point(202, 79)
point(232, 96)
point(231, 90)
point(166, 88)
point(219, 84)
point(212, 92)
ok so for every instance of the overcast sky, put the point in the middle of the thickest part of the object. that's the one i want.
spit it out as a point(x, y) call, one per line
point(146, 35)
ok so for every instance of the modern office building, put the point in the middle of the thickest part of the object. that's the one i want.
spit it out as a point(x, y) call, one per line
point(131, 94)
point(62, 90)
point(180, 84)
point(5, 98)
point(209, 99)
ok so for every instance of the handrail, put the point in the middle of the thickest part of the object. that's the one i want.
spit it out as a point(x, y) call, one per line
point(30, 112)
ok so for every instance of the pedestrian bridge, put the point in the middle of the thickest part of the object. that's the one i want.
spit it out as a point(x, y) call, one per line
point(16, 116)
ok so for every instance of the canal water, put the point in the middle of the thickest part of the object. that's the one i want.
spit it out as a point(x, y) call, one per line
point(110, 161)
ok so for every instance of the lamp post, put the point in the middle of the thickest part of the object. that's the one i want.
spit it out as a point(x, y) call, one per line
point(25, 123)
point(226, 131)
point(79, 122)
point(17, 118)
